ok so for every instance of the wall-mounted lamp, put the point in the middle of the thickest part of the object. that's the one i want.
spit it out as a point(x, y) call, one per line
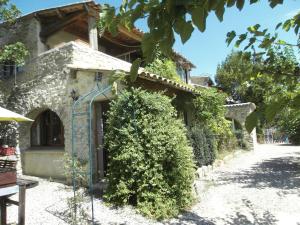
point(74, 95)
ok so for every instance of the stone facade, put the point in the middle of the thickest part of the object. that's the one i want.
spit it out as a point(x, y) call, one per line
point(46, 83)
point(239, 113)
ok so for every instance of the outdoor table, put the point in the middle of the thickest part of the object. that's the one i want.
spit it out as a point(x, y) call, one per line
point(6, 192)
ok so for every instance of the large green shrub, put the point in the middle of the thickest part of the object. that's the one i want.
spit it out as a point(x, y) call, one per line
point(150, 162)
point(204, 145)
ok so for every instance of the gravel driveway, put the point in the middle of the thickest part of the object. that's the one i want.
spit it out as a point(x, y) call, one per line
point(260, 187)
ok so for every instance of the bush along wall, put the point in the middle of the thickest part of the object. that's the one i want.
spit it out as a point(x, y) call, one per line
point(204, 145)
point(150, 161)
point(211, 132)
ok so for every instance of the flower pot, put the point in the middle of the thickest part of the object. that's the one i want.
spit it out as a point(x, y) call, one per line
point(5, 151)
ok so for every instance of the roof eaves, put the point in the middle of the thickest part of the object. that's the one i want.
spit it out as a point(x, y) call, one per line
point(32, 14)
point(167, 82)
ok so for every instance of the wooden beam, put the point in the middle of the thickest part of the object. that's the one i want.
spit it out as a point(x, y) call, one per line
point(130, 34)
point(93, 33)
point(52, 28)
point(91, 11)
point(114, 41)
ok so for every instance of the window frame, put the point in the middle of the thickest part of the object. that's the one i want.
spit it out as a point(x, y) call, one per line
point(46, 131)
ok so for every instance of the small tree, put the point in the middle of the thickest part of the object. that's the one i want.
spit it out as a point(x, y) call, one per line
point(150, 162)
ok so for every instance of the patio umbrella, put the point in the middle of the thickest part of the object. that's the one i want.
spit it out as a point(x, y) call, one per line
point(6, 115)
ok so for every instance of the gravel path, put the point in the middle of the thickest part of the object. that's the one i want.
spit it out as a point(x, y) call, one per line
point(260, 187)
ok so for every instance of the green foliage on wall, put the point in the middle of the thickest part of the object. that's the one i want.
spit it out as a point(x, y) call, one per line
point(150, 162)
point(15, 53)
point(164, 67)
point(210, 112)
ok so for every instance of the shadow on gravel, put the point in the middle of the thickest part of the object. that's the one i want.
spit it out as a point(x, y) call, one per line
point(282, 173)
point(250, 218)
point(191, 218)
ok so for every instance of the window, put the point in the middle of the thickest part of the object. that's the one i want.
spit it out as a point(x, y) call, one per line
point(9, 69)
point(47, 130)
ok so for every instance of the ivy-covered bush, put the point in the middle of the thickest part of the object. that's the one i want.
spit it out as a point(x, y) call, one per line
point(164, 67)
point(204, 145)
point(210, 112)
point(150, 161)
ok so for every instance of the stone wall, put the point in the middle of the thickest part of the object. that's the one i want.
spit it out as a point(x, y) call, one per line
point(26, 31)
point(46, 83)
point(239, 112)
point(42, 85)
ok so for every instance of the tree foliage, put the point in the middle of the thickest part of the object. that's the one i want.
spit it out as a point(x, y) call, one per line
point(289, 124)
point(150, 163)
point(270, 83)
point(167, 18)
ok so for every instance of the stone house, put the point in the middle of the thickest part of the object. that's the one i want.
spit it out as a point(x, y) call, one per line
point(67, 59)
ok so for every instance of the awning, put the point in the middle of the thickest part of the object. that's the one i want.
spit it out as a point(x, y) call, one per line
point(7, 115)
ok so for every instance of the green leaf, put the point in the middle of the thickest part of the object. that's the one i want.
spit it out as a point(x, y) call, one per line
point(278, 25)
point(254, 28)
point(220, 9)
point(184, 29)
point(230, 3)
point(148, 46)
point(274, 3)
point(251, 42)
point(240, 4)
point(199, 15)
point(212, 4)
point(134, 69)
point(287, 25)
point(230, 36)
point(242, 37)
point(297, 30)
point(251, 121)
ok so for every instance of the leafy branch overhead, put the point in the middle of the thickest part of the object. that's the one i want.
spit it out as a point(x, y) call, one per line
point(165, 18)
point(264, 39)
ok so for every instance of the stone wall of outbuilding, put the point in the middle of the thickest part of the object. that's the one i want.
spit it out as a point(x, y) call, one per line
point(239, 112)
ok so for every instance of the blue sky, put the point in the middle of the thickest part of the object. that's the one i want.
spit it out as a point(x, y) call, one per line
point(206, 50)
